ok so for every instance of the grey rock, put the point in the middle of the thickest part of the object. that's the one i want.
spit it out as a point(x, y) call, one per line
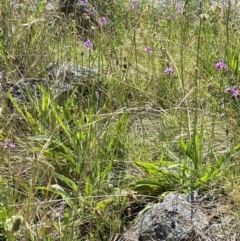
point(24, 89)
point(70, 73)
point(63, 79)
point(173, 219)
point(178, 218)
point(68, 76)
point(69, 6)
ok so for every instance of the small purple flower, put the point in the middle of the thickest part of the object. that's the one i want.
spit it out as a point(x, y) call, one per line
point(88, 44)
point(168, 70)
point(8, 144)
point(88, 11)
point(180, 10)
point(133, 4)
point(220, 65)
point(102, 21)
point(148, 49)
point(169, 18)
point(233, 90)
point(83, 2)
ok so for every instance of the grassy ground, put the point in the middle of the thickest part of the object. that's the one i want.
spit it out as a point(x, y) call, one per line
point(168, 117)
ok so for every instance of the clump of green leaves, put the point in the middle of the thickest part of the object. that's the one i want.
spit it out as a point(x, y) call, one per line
point(183, 171)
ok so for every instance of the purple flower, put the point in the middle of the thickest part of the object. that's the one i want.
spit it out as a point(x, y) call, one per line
point(8, 144)
point(220, 65)
point(148, 49)
point(88, 11)
point(169, 18)
point(233, 90)
point(169, 70)
point(180, 10)
point(102, 21)
point(83, 2)
point(133, 4)
point(88, 44)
